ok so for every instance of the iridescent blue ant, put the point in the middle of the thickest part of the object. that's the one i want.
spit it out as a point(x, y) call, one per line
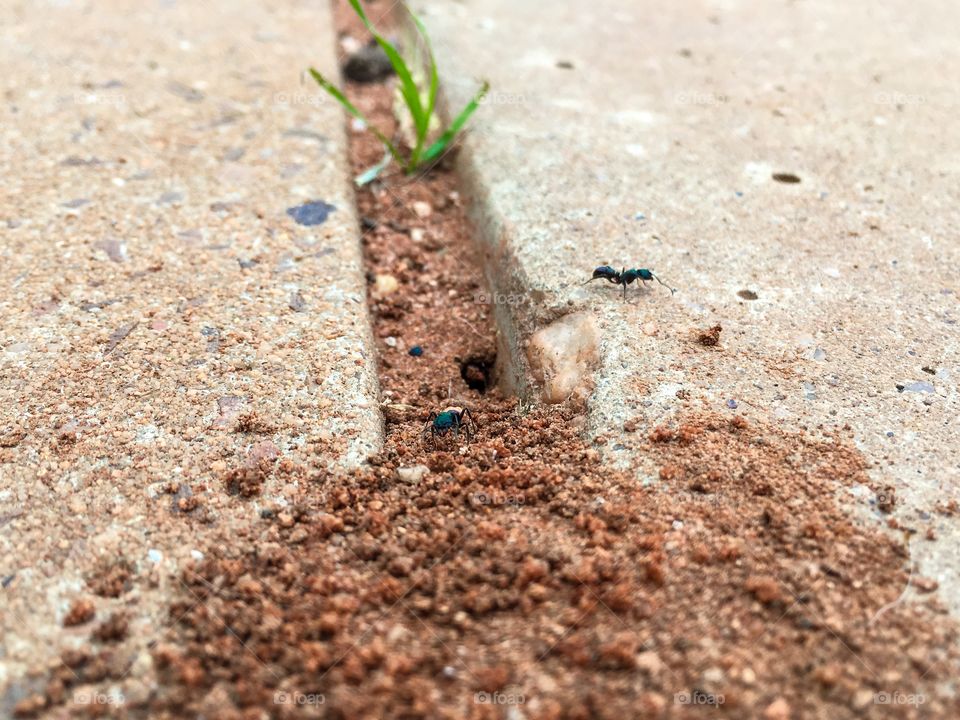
point(625, 277)
point(451, 418)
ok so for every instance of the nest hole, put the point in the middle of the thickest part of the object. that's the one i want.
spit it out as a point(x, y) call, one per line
point(477, 372)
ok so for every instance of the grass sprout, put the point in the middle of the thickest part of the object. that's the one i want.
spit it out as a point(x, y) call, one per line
point(420, 103)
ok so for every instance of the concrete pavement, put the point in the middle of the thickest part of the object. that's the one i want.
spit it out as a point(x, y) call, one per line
point(791, 168)
point(183, 300)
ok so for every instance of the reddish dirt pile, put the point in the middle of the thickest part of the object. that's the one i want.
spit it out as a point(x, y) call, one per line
point(520, 567)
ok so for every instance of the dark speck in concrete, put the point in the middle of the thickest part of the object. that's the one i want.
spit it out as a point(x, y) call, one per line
point(748, 294)
point(78, 202)
point(311, 213)
point(75, 161)
point(168, 198)
point(296, 302)
point(185, 91)
point(788, 178)
point(117, 336)
point(233, 154)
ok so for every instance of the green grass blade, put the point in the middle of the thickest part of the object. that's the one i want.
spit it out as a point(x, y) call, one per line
point(434, 85)
point(408, 88)
point(434, 77)
point(450, 133)
point(342, 99)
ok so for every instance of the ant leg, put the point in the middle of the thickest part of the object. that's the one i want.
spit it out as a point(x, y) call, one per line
point(469, 424)
point(428, 427)
point(672, 290)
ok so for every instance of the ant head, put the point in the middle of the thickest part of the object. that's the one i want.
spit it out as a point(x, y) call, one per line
point(645, 274)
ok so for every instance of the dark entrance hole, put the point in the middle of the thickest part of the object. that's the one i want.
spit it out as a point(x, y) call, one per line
point(477, 371)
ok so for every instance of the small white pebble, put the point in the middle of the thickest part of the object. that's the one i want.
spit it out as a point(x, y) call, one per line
point(350, 44)
point(412, 474)
point(677, 525)
point(385, 284)
point(154, 556)
point(390, 341)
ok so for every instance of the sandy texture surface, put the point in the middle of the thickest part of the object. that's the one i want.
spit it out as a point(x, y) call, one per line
point(788, 167)
point(174, 330)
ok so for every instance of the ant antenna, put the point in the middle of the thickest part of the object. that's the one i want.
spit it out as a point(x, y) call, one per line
point(672, 290)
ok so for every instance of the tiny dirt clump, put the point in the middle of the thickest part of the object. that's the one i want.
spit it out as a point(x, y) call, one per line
point(709, 337)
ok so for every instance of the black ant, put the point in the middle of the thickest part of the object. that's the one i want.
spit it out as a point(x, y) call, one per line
point(625, 277)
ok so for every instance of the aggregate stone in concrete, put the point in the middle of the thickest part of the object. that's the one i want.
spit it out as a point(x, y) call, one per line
point(791, 168)
point(182, 296)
